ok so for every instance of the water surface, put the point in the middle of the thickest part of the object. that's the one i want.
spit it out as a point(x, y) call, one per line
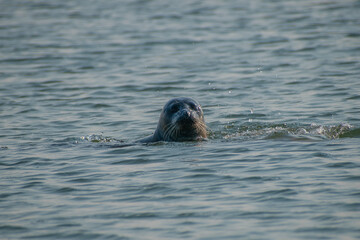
point(279, 85)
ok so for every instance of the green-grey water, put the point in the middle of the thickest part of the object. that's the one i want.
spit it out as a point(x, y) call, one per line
point(279, 84)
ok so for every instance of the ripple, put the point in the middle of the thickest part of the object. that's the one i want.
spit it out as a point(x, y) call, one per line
point(345, 165)
point(5, 229)
point(65, 190)
point(129, 215)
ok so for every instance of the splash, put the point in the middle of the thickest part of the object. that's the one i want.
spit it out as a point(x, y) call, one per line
point(283, 131)
point(93, 138)
point(333, 132)
point(98, 139)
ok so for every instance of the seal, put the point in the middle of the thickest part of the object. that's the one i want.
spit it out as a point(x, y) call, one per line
point(181, 119)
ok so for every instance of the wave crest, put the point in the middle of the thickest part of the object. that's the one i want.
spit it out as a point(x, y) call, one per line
point(283, 131)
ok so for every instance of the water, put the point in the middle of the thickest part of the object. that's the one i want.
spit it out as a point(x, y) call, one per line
point(279, 85)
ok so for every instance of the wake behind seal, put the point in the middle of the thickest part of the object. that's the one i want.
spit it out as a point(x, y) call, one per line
point(181, 119)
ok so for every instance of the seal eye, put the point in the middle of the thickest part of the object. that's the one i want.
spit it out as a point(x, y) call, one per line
point(195, 107)
point(174, 108)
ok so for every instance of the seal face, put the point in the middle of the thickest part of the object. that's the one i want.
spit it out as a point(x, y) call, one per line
point(181, 119)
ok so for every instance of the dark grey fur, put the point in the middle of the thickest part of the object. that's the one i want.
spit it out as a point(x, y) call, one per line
point(181, 119)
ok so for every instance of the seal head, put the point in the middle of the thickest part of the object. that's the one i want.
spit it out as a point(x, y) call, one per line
point(181, 119)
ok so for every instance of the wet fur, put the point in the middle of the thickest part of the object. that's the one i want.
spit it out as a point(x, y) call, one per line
point(185, 123)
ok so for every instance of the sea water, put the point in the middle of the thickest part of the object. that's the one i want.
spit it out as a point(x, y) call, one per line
point(279, 84)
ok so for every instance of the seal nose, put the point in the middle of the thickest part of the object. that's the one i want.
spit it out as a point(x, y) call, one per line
point(185, 115)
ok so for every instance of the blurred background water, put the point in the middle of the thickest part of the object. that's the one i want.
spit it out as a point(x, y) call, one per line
point(279, 85)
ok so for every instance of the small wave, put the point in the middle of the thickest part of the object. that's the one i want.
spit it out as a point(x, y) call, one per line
point(93, 138)
point(98, 139)
point(333, 132)
point(295, 132)
point(351, 133)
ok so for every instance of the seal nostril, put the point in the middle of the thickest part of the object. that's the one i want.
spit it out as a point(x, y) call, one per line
point(185, 115)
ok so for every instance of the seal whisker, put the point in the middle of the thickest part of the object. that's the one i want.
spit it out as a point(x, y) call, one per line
point(169, 131)
point(166, 132)
point(177, 132)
